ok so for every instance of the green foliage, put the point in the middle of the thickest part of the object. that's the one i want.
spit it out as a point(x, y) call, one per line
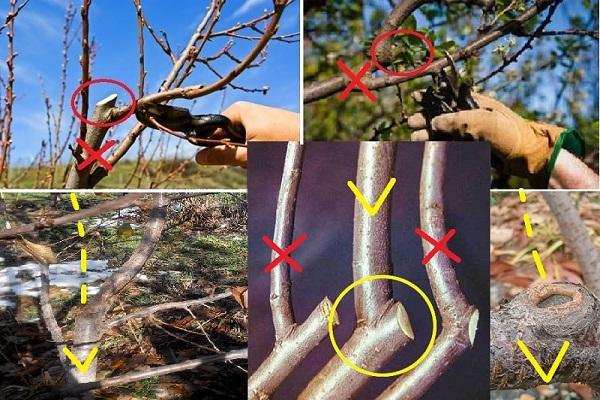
point(555, 81)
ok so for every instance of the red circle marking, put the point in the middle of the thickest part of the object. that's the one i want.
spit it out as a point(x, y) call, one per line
point(105, 124)
point(408, 73)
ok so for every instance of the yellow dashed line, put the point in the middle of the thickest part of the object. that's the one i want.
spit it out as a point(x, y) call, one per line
point(522, 195)
point(83, 293)
point(80, 229)
point(74, 202)
point(538, 263)
point(527, 222)
point(83, 260)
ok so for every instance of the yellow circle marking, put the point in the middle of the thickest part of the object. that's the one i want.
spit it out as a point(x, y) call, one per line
point(382, 374)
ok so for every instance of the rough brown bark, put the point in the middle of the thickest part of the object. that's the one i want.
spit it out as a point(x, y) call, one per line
point(543, 317)
point(94, 136)
point(577, 237)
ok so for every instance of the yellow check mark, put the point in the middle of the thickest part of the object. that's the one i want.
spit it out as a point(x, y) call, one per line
point(545, 377)
point(374, 209)
point(82, 367)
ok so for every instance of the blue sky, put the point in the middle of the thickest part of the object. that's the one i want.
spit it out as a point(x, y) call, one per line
point(543, 99)
point(113, 25)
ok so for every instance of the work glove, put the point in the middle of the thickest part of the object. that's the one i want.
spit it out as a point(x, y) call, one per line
point(522, 147)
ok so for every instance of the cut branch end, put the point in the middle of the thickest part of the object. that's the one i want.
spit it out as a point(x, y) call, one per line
point(326, 306)
point(473, 326)
point(404, 321)
point(109, 99)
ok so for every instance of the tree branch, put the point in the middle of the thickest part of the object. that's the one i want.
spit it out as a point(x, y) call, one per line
point(141, 375)
point(166, 306)
point(110, 205)
point(379, 319)
point(289, 351)
point(320, 90)
point(459, 319)
point(292, 342)
point(89, 324)
point(166, 93)
point(48, 314)
point(85, 64)
point(507, 61)
point(280, 298)
point(371, 241)
point(195, 91)
point(576, 236)
point(94, 137)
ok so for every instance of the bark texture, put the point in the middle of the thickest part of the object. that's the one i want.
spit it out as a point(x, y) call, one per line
point(281, 303)
point(383, 326)
point(289, 352)
point(543, 317)
point(577, 237)
point(371, 238)
point(89, 324)
point(94, 136)
point(371, 347)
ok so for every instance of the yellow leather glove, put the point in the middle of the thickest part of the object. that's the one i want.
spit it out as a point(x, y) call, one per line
point(523, 146)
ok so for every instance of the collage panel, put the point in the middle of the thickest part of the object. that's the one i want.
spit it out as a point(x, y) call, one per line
point(544, 295)
point(128, 295)
point(144, 95)
point(397, 221)
point(299, 199)
point(521, 75)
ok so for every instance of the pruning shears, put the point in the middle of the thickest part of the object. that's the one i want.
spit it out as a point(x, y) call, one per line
point(448, 94)
point(452, 93)
point(196, 129)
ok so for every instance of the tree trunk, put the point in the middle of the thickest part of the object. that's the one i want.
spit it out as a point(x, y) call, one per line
point(89, 324)
point(94, 138)
point(577, 237)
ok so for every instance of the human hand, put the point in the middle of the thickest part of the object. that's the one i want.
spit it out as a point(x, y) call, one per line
point(524, 147)
point(261, 123)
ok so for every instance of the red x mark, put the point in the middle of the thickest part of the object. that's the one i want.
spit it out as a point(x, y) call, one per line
point(95, 155)
point(284, 255)
point(355, 80)
point(438, 246)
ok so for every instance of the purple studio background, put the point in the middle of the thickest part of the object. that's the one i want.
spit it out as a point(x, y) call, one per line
point(325, 210)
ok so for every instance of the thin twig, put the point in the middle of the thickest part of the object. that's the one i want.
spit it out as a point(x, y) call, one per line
point(85, 63)
point(280, 298)
point(146, 374)
point(142, 73)
point(507, 61)
point(167, 306)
